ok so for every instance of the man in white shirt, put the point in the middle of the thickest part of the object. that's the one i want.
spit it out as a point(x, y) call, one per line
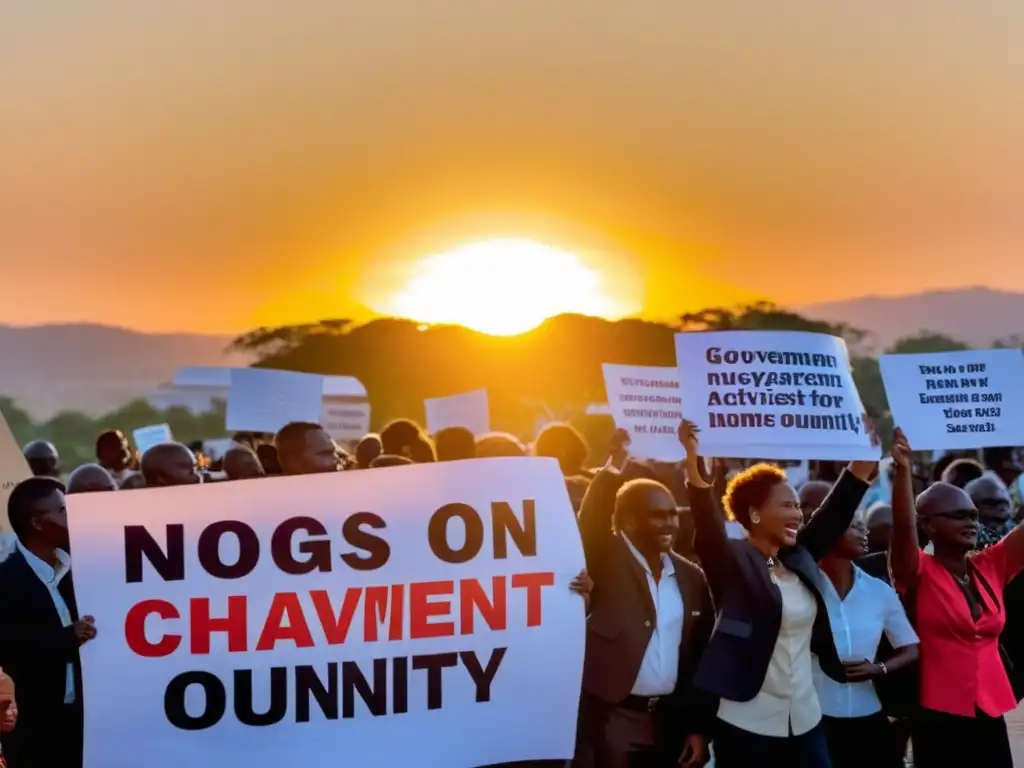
point(42, 632)
point(650, 617)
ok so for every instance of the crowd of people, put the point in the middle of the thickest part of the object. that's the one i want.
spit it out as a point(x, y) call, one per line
point(832, 631)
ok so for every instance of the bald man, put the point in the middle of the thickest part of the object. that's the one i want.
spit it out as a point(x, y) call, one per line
point(42, 458)
point(241, 463)
point(812, 495)
point(90, 478)
point(305, 448)
point(995, 511)
point(169, 464)
point(879, 524)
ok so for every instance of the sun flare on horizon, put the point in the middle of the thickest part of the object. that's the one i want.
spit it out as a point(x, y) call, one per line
point(501, 287)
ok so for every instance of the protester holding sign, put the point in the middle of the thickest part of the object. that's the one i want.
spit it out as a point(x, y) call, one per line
point(650, 618)
point(956, 600)
point(771, 614)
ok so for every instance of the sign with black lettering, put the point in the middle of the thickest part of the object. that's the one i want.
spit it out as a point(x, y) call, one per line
point(957, 400)
point(772, 394)
point(403, 616)
point(645, 402)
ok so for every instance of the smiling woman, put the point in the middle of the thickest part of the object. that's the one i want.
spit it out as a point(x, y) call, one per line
point(501, 287)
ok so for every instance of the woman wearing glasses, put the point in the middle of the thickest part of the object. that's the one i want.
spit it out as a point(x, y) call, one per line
point(955, 599)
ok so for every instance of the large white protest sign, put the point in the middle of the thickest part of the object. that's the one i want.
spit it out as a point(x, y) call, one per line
point(469, 410)
point(404, 616)
point(264, 400)
point(772, 394)
point(644, 401)
point(146, 437)
point(954, 400)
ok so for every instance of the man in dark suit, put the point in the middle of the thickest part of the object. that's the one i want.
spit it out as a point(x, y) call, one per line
point(650, 618)
point(41, 631)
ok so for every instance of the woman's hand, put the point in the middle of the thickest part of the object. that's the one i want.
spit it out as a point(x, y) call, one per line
point(901, 451)
point(688, 432)
point(861, 671)
point(583, 585)
point(866, 470)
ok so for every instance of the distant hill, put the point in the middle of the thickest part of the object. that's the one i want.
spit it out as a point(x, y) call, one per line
point(975, 316)
point(94, 368)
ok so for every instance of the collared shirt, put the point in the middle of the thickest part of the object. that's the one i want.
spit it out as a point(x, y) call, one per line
point(787, 702)
point(659, 669)
point(51, 578)
point(870, 608)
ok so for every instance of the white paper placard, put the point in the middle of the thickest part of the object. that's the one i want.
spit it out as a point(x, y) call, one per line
point(772, 394)
point(264, 400)
point(146, 437)
point(469, 410)
point(278, 621)
point(344, 420)
point(957, 400)
point(645, 402)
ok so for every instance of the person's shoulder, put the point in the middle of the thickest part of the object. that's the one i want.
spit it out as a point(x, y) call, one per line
point(12, 565)
point(686, 566)
point(871, 581)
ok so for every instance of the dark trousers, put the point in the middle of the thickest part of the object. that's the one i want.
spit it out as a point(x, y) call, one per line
point(941, 740)
point(860, 742)
point(736, 748)
point(617, 737)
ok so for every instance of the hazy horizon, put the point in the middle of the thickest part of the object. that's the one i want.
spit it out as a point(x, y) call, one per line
point(190, 167)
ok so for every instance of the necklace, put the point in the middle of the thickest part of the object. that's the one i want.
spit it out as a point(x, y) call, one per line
point(771, 570)
point(963, 581)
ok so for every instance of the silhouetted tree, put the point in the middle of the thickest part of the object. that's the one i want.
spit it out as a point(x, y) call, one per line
point(553, 369)
point(926, 341)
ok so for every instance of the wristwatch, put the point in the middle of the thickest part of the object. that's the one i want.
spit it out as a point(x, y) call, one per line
point(881, 666)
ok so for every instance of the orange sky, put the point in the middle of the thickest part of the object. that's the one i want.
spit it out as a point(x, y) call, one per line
point(210, 165)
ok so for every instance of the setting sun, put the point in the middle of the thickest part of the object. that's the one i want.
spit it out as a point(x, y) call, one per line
point(501, 287)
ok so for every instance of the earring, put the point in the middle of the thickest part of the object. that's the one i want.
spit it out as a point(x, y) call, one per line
point(755, 518)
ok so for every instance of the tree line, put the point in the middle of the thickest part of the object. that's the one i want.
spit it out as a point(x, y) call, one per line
point(550, 373)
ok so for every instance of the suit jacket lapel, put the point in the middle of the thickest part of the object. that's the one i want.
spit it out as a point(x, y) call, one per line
point(67, 591)
point(639, 575)
point(758, 563)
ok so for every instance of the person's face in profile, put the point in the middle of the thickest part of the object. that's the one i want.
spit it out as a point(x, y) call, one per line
point(319, 454)
point(853, 543)
point(182, 469)
point(50, 521)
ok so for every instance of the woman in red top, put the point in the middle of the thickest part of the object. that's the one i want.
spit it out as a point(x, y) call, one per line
point(955, 598)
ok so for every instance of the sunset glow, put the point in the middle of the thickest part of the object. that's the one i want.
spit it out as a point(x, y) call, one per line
point(501, 287)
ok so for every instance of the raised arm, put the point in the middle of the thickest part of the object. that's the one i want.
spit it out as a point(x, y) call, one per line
point(710, 540)
point(904, 549)
point(833, 517)
point(595, 517)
